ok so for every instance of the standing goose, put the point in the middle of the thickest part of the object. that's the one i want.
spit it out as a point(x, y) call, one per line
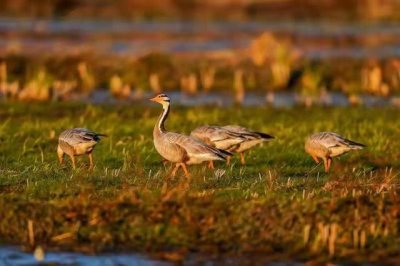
point(230, 138)
point(178, 148)
point(77, 141)
point(326, 145)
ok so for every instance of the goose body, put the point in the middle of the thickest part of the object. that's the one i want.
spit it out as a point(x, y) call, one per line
point(327, 145)
point(252, 138)
point(230, 138)
point(217, 137)
point(178, 148)
point(77, 141)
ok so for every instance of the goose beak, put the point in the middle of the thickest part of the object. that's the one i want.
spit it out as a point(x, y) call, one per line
point(154, 99)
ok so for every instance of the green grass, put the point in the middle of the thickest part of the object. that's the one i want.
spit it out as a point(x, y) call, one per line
point(269, 206)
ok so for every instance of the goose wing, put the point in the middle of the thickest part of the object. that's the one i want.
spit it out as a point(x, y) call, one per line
point(248, 134)
point(219, 136)
point(195, 148)
point(333, 140)
point(76, 136)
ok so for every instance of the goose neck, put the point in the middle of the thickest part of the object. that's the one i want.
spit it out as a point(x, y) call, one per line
point(161, 120)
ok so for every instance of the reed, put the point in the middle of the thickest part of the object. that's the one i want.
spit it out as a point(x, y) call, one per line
point(310, 86)
point(63, 89)
point(154, 82)
point(189, 84)
point(207, 77)
point(260, 47)
point(118, 88)
point(372, 80)
point(238, 86)
point(87, 81)
point(3, 72)
point(38, 88)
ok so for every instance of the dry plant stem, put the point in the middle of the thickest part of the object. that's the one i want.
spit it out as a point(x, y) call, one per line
point(312, 170)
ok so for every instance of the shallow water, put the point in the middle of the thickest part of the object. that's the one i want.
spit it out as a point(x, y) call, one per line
point(139, 37)
point(13, 256)
point(279, 99)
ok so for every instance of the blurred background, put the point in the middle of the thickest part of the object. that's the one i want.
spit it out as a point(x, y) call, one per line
point(248, 52)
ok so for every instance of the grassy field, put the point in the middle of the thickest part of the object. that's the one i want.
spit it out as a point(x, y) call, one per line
point(273, 205)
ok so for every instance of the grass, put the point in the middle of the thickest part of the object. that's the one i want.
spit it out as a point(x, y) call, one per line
point(273, 205)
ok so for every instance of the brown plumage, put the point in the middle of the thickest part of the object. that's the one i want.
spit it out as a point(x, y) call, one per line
point(327, 145)
point(178, 148)
point(77, 141)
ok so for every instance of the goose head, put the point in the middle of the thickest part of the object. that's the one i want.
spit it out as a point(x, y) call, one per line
point(162, 99)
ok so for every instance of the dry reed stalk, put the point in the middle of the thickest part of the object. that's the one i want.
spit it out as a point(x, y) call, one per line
point(238, 86)
point(3, 72)
point(260, 47)
point(86, 78)
point(280, 74)
point(207, 77)
point(372, 81)
point(306, 233)
point(31, 235)
point(118, 89)
point(37, 89)
point(332, 239)
point(8, 89)
point(189, 84)
point(63, 88)
point(154, 81)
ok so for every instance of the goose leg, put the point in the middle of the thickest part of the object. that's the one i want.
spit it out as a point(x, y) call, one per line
point(329, 163)
point(73, 161)
point(173, 173)
point(242, 158)
point(187, 174)
point(326, 165)
point(60, 157)
point(315, 158)
point(228, 160)
point(91, 165)
point(211, 165)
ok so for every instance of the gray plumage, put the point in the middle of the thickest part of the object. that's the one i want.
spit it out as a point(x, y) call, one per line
point(77, 141)
point(327, 145)
point(252, 138)
point(218, 137)
point(178, 148)
point(230, 138)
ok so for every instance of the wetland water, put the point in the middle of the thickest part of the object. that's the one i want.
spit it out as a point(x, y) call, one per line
point(314, 40)
point(279, 99)
point(13, 256)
